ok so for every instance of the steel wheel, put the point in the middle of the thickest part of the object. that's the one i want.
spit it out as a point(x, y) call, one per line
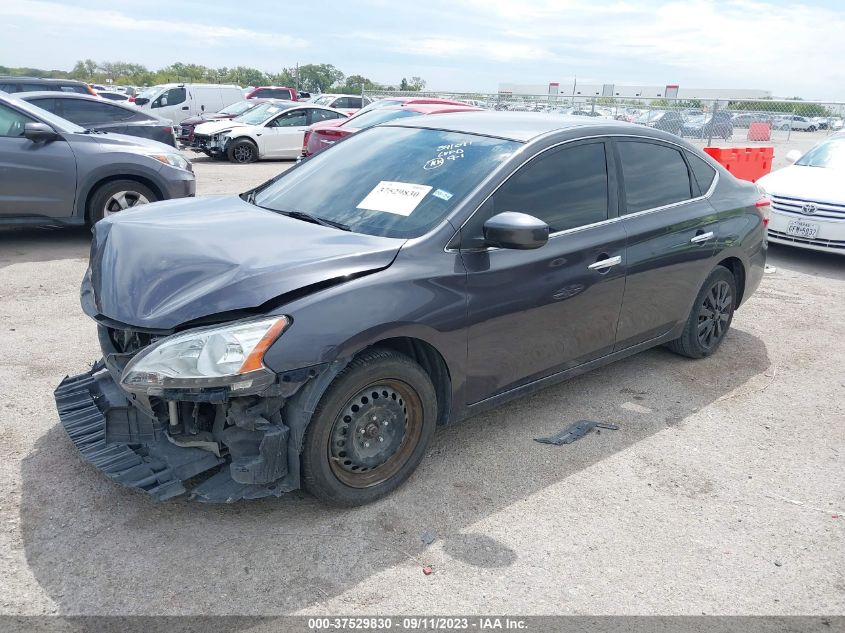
point(375, 433)
point(122, 200)
point(714, 315)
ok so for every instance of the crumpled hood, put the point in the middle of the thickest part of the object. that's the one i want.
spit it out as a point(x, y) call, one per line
point(213, 127)
point(168, 263)
point(821, 184)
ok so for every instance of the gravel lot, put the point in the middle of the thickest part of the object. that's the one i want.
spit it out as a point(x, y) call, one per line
point(721, 493)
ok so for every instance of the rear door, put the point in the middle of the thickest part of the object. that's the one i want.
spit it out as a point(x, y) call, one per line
point(533, 313)
point(38, 179)
point(672, 231)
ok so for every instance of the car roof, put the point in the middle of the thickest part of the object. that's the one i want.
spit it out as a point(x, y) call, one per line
point(433, 108)
point(51, 80)
point(514, 126)
point(26, 96)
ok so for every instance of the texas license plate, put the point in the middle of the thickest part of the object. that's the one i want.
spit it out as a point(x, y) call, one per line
point(802, 228)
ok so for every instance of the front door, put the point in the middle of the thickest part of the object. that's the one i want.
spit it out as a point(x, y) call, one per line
point(38, 179)
point(282, 137)
point(672, 233)
point(536, 312)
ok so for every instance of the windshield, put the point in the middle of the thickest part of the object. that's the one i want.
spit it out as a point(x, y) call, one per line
point(651, 115)
point(324, 100)
point(238, 108)
point(374, 117)
point(260, 113)
point(388, 181)
point(380, 103)
point(830, 154)
point(149, 93)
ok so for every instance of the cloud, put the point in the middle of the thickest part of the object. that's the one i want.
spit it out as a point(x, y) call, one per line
point(50, 13)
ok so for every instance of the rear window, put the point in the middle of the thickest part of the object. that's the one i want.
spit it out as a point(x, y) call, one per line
point(274, 93)
point(374, 117)
point(654, 175)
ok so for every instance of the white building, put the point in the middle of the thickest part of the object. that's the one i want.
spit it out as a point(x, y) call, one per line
point(669, 91)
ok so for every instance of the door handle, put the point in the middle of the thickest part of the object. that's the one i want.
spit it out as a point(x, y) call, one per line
point(698, 239)
point(184, 107)
point(606, 263)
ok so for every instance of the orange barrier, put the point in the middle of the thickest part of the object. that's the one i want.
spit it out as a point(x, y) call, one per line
point(748, 163)
point(760, 131)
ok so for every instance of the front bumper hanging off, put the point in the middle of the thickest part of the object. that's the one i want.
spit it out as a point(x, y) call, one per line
point(134, 449)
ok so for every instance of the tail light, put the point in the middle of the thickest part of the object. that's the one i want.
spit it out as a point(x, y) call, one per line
point(169, 130)
point(90, 90)
point(305, 142)
point(131, 99)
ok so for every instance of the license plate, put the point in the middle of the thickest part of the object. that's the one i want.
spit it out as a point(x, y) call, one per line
point(802, 228)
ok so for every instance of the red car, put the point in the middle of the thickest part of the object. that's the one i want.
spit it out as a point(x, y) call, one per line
point(320, 136)
point(186, 127)
point(273, 92)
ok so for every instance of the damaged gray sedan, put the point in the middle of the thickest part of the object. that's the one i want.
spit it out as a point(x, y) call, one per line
point(313, 332)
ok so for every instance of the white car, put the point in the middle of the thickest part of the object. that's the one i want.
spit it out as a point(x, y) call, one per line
point(275, 129)
point(346, 103)
point(808, 198)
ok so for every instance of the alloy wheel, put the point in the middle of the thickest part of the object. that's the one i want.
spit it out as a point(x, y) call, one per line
point(242, 153)
point(714, 314)
point(122, 200)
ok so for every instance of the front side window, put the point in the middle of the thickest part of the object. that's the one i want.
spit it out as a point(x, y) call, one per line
point(297, 118)
point(654, 175)
point(86, 113)
point(388, 181)
point(565, 188)
point(174, 96)
point(12, 122)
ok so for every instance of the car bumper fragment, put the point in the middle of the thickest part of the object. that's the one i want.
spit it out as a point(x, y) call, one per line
point(134, 450)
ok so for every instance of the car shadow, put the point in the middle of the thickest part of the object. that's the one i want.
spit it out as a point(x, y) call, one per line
point(802, 260)
point(97, 548)
point(43, 244)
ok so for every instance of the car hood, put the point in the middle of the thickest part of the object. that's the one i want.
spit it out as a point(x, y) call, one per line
point(821, 184)
point(172, 262)
point(213, 127)
point(205, 118)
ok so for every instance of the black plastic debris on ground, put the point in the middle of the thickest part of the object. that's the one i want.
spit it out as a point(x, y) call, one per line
point(575, 431)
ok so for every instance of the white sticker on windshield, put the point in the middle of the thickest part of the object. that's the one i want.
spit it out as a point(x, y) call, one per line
point(443, 195)
point(394, 197)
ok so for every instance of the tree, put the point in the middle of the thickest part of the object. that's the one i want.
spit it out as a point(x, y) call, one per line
point(415, 85)
point(318, 77)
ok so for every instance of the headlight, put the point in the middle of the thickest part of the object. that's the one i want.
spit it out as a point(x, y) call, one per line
point(174, 160)
point(231, 355)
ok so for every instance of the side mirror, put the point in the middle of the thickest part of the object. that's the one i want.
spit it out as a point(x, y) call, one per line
point(39, 133)
point(515, 230)
point(793, 155)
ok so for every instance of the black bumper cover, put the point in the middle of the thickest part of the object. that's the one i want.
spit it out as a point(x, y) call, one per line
point(133, 448)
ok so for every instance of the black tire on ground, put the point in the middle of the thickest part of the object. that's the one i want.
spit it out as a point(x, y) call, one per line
point(710, 317)
point(812, 128)
point(370, 430)
point(116, 196)
point(242, 151)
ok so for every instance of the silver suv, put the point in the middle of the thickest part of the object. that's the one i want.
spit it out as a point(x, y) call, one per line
point(54, 172)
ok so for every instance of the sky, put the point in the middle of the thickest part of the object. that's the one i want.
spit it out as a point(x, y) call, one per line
point(788, 48)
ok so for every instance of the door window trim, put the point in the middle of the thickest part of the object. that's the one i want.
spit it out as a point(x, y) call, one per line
point(613, 163)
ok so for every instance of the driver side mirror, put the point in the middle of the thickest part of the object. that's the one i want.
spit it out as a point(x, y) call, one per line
point(793, 155)
point(515, 231)
point(39, 133)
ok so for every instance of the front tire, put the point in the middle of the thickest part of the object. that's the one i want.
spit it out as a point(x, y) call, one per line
point(116, 196)
point(710, 317)
point(370, 429)
point(242, 151)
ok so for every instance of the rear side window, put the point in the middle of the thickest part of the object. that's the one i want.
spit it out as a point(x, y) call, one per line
point(654, 175)
point(74, 88)
point(9, 87)
point(37, 87)
point(701, 171)
point(84, 112)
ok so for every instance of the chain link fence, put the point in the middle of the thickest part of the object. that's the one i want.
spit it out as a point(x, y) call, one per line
point(703, 121)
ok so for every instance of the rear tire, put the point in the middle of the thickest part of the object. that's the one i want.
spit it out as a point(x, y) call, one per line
point(710, 317)
point(242, 151)
point(116, 196)
point(370, 429)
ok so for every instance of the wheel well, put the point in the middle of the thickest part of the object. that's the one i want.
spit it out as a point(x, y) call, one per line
point(734, 265)
point(140, 179)
point(242, 138)
point(427, 357)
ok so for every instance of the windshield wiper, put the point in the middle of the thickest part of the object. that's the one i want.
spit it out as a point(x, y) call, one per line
point(302, 215)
